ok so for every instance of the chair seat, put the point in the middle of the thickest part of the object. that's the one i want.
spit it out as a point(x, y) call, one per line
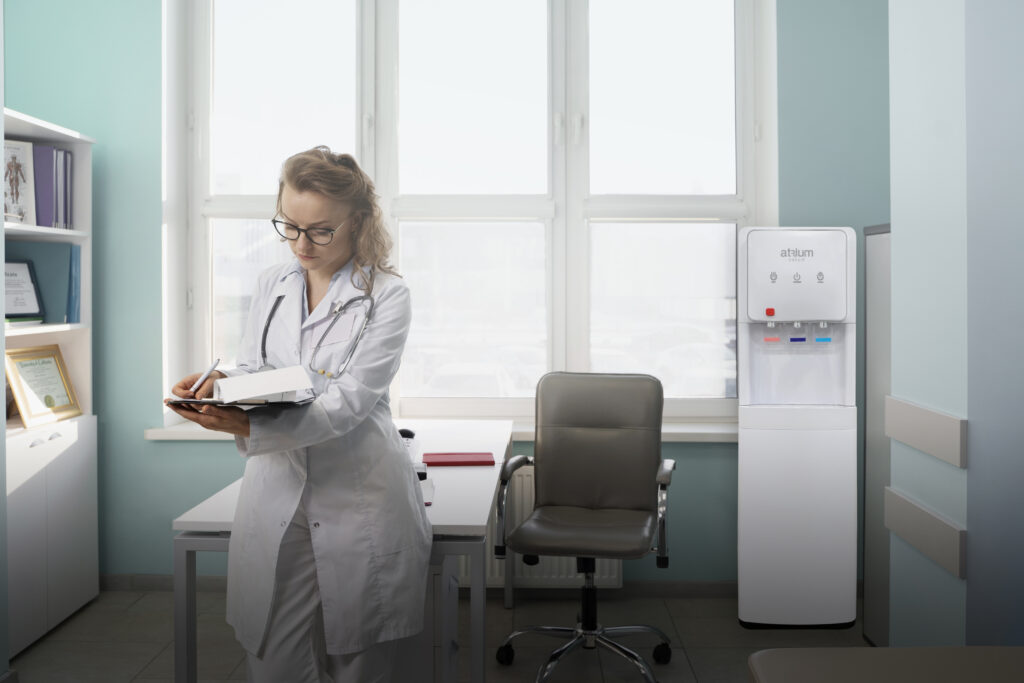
point(583, 532)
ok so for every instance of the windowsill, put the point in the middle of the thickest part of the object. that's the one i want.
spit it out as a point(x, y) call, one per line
point(186, 431)
point(671, 432)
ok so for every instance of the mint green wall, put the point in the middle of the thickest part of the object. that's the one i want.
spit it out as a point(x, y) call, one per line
point(995, 172)
point(101, 67)
point(95, 67)
point(929, 292)
point(702, 517)
point(834, 132)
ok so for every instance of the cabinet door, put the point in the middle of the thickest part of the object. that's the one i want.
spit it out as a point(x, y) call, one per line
point(72, 571)
point(26, 544)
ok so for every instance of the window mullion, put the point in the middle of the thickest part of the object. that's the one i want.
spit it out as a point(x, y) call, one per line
point(366, 73)
point(199, 271)
point(577, 243)
point(385, 128)
point(557, 249)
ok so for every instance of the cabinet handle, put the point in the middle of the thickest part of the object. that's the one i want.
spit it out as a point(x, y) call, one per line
point(36, 442)
point(55, 435)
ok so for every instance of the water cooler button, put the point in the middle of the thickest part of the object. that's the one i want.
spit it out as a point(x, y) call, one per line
point(769, 312)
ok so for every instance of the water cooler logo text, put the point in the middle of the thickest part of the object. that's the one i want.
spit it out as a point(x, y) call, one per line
point(796, 253)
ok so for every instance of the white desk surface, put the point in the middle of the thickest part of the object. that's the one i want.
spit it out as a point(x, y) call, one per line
point(463, 496)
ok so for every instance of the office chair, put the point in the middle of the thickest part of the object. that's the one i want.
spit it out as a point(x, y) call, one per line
point(600, 491)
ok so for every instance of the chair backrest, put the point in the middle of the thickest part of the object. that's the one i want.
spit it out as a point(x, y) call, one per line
point(598, 440)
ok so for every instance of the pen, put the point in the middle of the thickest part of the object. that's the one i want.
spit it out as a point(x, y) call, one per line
point(204, 376)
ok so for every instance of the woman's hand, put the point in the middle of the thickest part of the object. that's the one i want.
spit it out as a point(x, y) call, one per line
point(183, 389)
point(217, 418)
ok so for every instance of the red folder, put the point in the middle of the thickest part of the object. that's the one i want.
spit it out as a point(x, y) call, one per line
point(445, 459)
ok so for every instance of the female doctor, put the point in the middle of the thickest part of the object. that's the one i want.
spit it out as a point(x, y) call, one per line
point(329, 548)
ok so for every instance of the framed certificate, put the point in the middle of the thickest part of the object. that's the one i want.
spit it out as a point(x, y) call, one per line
point(41, 386)
point(22, 301)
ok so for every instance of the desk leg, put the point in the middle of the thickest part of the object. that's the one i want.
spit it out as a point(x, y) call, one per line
point(477, 609)
point(510, 577)
point(184, 612)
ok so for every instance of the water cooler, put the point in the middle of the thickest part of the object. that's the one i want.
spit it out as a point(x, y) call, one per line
point(796, 333)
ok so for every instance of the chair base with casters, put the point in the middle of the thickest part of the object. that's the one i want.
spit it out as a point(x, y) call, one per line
point(589, 634)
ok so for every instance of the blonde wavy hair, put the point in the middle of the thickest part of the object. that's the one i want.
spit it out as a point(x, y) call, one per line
point(338, 177)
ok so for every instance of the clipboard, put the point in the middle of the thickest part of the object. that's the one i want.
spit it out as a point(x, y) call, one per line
point(245, 403)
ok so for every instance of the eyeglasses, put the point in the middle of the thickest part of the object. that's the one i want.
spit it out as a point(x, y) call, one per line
point(319, 236)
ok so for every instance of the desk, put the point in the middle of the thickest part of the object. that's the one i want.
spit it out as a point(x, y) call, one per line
point(462, 507)
point(888, 664)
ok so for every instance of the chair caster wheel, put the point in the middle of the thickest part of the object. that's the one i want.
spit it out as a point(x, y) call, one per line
point(505, 655)
point(662, 654)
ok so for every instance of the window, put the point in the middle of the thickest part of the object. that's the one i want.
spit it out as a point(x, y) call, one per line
point(564, 178)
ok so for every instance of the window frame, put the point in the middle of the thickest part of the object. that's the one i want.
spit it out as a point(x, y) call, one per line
point(566, 210)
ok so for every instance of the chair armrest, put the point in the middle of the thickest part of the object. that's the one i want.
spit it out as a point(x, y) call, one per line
point(513, 464)
point(507, 470)
point(664, 478)
point(665, 472)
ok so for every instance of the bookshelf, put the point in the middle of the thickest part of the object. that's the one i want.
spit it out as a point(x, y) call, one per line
point(52, 529)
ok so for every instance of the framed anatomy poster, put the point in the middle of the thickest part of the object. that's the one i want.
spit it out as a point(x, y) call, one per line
point(41, 386)
point(19, 183)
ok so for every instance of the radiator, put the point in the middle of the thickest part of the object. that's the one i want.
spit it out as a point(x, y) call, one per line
point(551, 572)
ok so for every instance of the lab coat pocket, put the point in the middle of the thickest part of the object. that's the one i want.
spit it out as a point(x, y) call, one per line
point(341, 331)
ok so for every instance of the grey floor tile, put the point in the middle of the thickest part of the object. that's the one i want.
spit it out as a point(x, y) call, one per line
point(702, 607)
point(702, 632)
point(162, 602)
point(217, 659)
point(618, 670)
point(124, 626)
point(499, 622)
point(239, 674)
point(83, 662)
point(720, 664)
point(545, 613)
point(639, 611)
point(581, 666)
point(114, 600)
point(215, 603)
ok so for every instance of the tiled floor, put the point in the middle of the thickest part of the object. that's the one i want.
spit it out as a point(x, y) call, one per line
point(127, 636)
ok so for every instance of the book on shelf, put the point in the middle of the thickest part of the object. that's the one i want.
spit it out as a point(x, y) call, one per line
point(45, 160)
point(52, 175)
point(74, 314)
point(61, 195)
point(68, 223)
point(10, 323)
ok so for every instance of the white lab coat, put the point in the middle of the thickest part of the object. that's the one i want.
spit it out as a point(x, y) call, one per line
point(370, 533)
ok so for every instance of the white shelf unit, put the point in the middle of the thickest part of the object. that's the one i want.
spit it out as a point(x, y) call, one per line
point(52, 501)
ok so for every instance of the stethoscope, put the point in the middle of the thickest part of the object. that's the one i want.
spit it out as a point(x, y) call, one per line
point(337, 312)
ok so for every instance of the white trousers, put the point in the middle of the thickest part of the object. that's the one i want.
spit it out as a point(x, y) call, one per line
point(295, 650)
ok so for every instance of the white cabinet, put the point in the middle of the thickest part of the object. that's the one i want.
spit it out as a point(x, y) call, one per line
point(26, 548)
point(52, 545)
point(52, 527)
point(72, 542)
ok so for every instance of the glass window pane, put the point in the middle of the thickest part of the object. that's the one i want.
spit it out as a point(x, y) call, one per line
point(670, 313)
point(241, 250)
point(479, 324)
point(473, 97)
point(662, 97)
point(284, 80)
